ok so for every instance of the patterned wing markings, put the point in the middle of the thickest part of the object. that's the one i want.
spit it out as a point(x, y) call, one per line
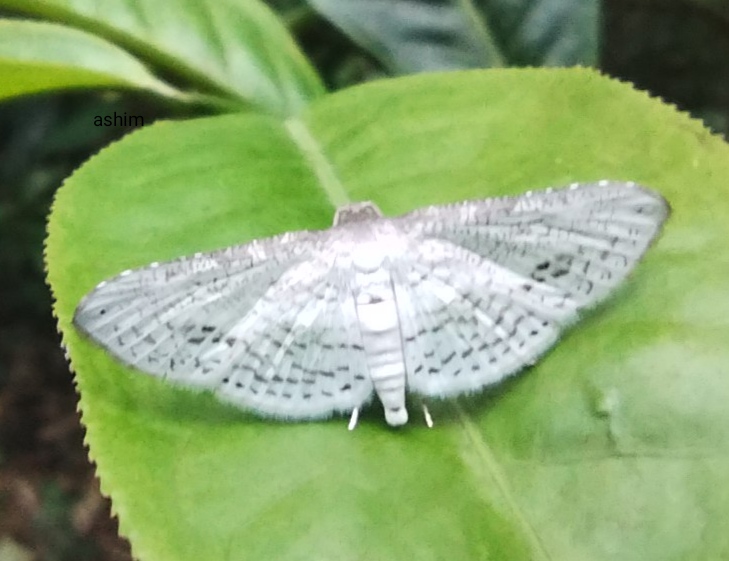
point(583, 239)
point(159, 311)
point(299, 355)
point(467, 323)
point(273, 331)
point(481, 289)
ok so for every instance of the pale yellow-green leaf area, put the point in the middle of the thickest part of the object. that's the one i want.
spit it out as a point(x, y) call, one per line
point(234, 51)
point(613, 447)
point(39, 57)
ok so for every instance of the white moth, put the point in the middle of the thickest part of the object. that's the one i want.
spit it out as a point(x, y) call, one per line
point(441, 301)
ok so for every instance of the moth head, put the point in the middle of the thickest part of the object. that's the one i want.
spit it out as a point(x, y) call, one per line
point(357, 212)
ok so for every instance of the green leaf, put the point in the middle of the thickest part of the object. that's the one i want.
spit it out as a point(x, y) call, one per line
point(613, 447)
point(37, 57)
point(235, 49)
point(420, 35)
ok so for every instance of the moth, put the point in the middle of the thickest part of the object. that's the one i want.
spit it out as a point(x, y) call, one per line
point(442, 301)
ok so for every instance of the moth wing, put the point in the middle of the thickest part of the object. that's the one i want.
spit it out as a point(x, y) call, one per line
point(495, 281)
point(269, 326)
point(467, 323)
point(583, 239)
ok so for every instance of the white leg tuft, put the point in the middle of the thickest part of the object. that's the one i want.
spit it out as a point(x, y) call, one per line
point(353, 419)
point(428, 418)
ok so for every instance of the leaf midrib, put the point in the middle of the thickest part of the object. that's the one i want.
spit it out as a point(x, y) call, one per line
point(494, 473)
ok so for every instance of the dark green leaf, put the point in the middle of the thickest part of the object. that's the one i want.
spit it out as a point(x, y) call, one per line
point(418, 35)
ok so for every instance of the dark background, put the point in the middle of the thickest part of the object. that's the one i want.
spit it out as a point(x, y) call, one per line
point(50, 505)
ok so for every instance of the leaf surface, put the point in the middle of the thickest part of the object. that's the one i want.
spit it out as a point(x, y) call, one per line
point(237, 50)
point(424, 35)
point(615, 446)
point(38, 57)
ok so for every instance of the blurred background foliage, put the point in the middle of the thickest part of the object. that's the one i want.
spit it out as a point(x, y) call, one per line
point(50, 506)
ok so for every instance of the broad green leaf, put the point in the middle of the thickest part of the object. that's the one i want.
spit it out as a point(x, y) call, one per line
point(614, 447)
point(234, 48)
point(37, 57)
point(417, 35)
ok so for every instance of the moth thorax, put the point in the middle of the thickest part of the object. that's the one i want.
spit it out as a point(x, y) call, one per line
point(368, 257)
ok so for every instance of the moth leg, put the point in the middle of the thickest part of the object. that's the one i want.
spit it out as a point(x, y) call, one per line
point(428, 418)
point(353, 419)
